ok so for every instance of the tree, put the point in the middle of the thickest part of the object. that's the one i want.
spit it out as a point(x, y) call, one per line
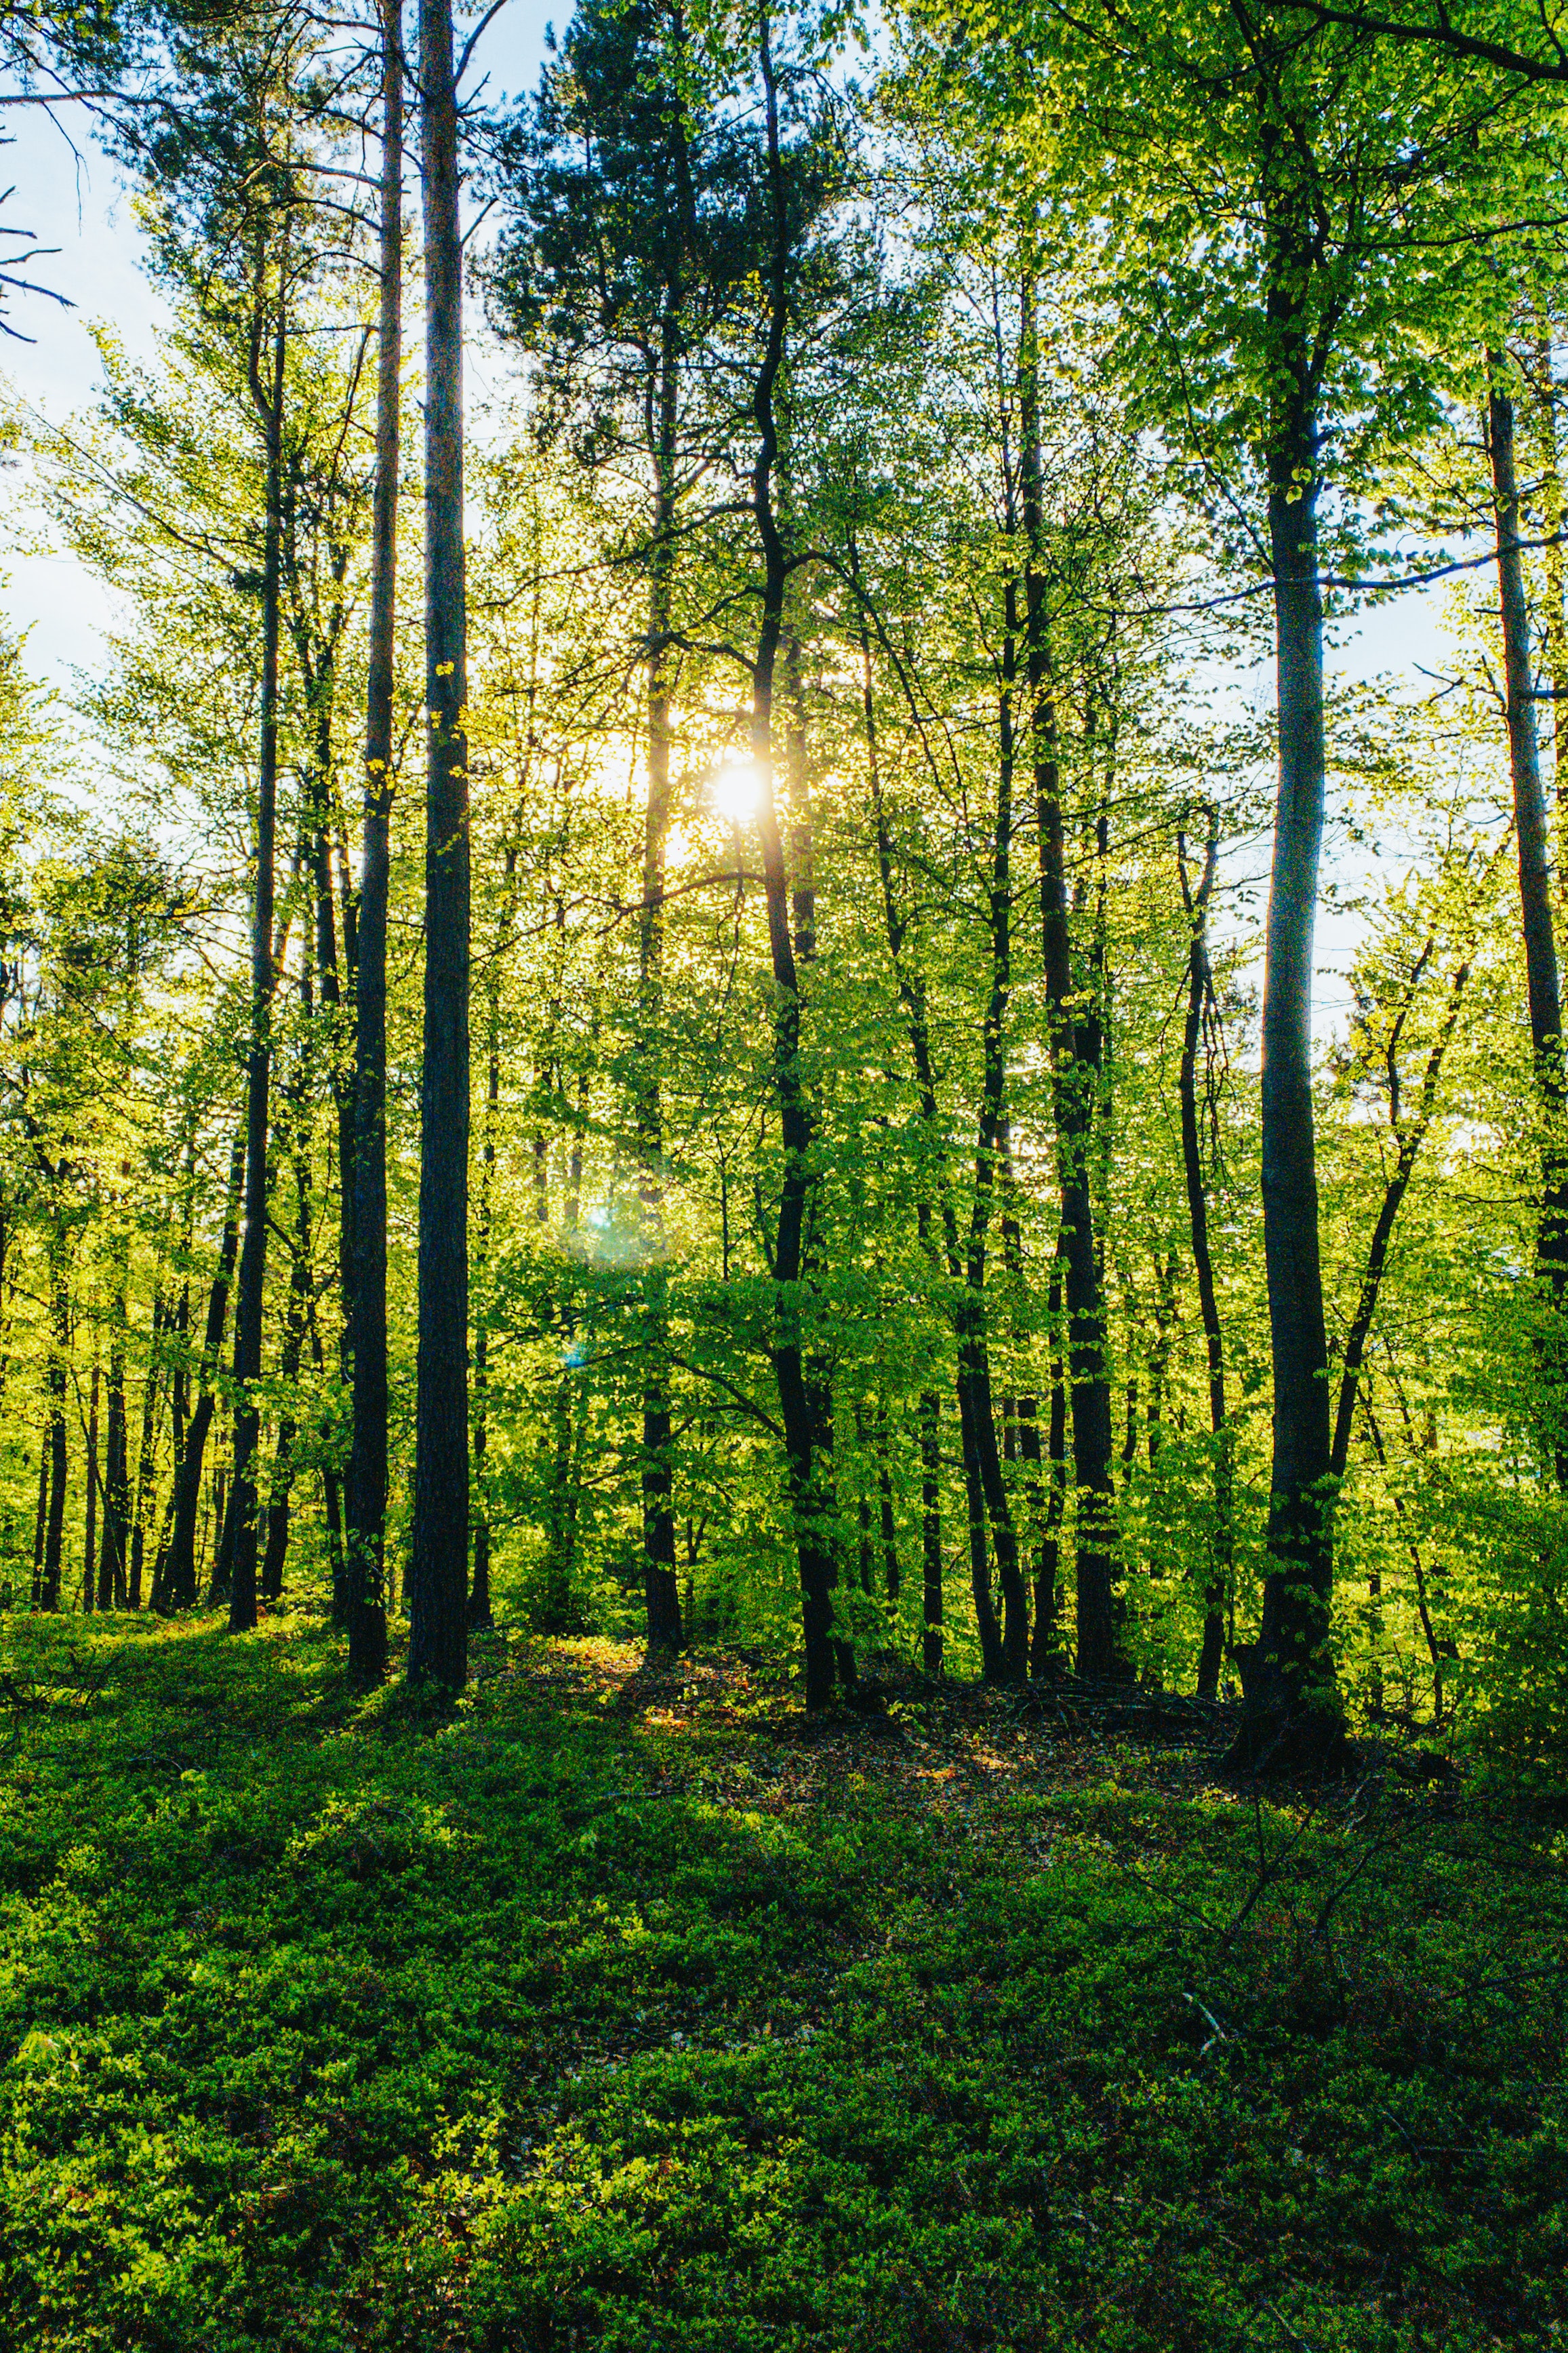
point(438, 1576)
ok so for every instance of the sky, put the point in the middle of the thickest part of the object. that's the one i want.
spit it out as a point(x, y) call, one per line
point(69, 194)
point(74, 201)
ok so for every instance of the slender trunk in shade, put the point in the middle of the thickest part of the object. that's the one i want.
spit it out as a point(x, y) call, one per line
point(93, 1482)
point(1555, 508)
point(1045, 1642)
point(42, 1515)
point(179, 1400)
point(1200, 991)
point(481, 1612)
point(1408, 1136)
point(182, 1577)
point(250, 1301)
point(146, 1454)
point(111, 1580)
point(1542, 978)
point(1288, 1676)
point(365, 1601)
point(931, 1532)
point(1073, 1041)
point(912, 997)
point(807, 1435)
point(293, 1139)
point(438, 1598)
point(60, 1352)
point(661, 1590)
point(1008, 1660)
point(892, 1578)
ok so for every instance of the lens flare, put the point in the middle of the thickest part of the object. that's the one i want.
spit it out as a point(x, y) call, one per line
point(735, 791)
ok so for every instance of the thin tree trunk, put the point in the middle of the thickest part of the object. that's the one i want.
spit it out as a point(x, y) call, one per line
point(912, 995)
point(181, 1578)
point(438, 1632)
point(1200, 991)
point(1541, 978)
point(1010, 1663)
point(1044, 1658)
point(1409, 1136)
point(930, 1532)
point(90, 1502)
point(42, 1515)
point(146, 1454)
point(365, 1556)
point(60, 1352)
point(1288, 1676)
point(661, 1589)
point(1554, 510)
point(1075, 1059)
point(111, 1587)
point(888, 1526)
point(480, 1612)
point(250, 1301)
point(827, 1656)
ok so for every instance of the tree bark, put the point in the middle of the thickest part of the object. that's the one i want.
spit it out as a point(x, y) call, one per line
point(181, 1575)
point(1200, 991)
point(1542, 978)
point(930, 1532)
point(92, 1483)
point(661, 1587)
point(250, 1306)
point(59, 1351)
point(1409, 1136)
point(147, 1454)
point(1075, 1052)
point(365, 1552)
point(112, 1583)
point(828, 1657)
point(480, 1612)
point(1292, 1699)
point(439, 1634)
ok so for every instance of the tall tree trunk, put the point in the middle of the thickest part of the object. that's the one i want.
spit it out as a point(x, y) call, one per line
point(1200, 992)
point(661, 1590)
point(182, 1577)
point(931, 1532)
point(438, 1631)
point(94, 1481)
point(1542, 978)
point(1554, 513)
point(111, 1589)
point(1073, 1034)
point(480, 1612)
point(912, 997)
point(60, 1358)
point(1292, 1699)
point(39, 1523)
point(365, 1555)
point(1408, 1138)
point(250, 1302)
point(828, 1657)
point(146, 1452)
point(1044, 1656)
point(293, 1138)
point(887, 1524)
point(1011, 1664)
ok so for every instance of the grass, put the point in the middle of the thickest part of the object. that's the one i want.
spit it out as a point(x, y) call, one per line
point(596, 2014)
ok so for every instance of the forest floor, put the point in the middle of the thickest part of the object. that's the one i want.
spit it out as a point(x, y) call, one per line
point(602, 2012)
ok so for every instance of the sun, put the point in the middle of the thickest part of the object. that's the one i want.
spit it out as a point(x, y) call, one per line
point(735, 791)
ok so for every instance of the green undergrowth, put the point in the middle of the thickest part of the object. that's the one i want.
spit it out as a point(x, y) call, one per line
point(586, 2015)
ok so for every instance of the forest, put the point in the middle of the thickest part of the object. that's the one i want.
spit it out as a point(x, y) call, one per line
point(784, 1184)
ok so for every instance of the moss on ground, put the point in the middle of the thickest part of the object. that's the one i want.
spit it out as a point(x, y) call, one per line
point(596, 2013)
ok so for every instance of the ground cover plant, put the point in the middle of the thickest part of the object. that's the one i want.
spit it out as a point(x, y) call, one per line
point(604, 2009)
